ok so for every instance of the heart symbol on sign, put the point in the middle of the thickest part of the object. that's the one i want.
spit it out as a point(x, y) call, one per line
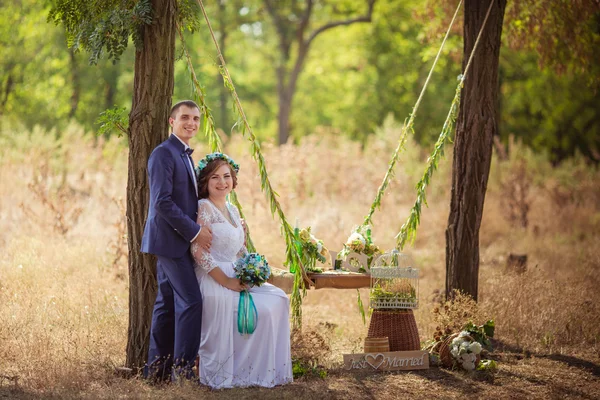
point(375, 360)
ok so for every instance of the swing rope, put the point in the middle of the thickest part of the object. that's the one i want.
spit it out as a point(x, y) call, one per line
point(292, 256)
point(408, 231)
point(408, 127)
point(293, 260)
point(214, 141)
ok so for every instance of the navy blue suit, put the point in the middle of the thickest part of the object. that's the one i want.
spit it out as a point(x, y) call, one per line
point(170, 227)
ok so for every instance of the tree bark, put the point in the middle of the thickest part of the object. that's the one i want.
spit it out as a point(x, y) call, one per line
point(152, 93)
point(476, 126)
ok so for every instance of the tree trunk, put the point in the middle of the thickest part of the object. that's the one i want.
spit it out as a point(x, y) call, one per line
point(152, 93)
point(285, 109)
point(476, 126)
point(75, 94)
point(285, 103)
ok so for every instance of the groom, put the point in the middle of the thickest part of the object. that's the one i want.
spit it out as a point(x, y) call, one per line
point(170, 229)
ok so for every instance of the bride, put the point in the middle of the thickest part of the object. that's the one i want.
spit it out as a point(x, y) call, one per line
point(228, 359)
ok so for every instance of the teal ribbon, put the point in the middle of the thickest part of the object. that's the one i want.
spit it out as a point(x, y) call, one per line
point(247, 314)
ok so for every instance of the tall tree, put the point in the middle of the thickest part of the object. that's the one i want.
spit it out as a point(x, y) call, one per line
point(476, 126)
point(534, 25)
point(107, 27)
point(292, 25)
point(152, 93)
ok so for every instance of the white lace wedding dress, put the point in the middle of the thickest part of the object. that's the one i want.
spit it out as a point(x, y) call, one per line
point(228, 359)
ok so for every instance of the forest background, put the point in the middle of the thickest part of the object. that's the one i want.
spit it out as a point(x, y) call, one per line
point(353, 78)
point(63, 268)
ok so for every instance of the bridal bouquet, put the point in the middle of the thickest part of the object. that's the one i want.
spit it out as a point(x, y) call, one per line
point(253, 270)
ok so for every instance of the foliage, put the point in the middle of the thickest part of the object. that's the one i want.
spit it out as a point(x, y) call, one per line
point(390, 290)
point(408, 127)
point(408, 231)
point(354, 78)
point(310, 249)
point(113, 119)
point(302, 369)
point(102, 27)
point(452, 315)
point(565, 34)
point(482, 333)
point(566, 118)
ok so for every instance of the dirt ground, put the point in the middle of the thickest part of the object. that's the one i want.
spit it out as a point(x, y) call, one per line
point(520, 376)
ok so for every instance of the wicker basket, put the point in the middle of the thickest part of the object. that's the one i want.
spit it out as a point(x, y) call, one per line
point(399, 326)
point(446, 358)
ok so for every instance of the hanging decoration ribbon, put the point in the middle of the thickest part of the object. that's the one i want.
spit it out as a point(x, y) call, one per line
point(247, 314)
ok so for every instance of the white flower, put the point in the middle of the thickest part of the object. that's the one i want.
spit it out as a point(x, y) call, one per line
point(319, 247)
point(464, 347)
point(469, 366)
point(463, 334)
point(456, 341)
point(475, 348)
point(454, 352)
point(356, 237)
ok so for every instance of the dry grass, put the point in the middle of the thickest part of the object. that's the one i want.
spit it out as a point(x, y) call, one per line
point(63, 286)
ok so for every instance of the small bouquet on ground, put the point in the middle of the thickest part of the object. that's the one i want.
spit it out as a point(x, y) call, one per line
point(465, 351)
point(361, 242)
point(310, 249)
point(253, 270)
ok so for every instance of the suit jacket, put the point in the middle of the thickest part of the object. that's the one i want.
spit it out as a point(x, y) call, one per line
point(171, 222)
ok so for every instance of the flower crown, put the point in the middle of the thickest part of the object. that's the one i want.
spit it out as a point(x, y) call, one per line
point(216, 156)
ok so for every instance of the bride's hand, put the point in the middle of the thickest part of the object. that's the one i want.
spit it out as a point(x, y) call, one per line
point(235, 284)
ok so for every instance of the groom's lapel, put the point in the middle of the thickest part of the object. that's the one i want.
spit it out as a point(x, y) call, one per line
point(188, 164)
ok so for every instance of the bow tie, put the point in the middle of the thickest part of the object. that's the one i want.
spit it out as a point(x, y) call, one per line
point(188, 151)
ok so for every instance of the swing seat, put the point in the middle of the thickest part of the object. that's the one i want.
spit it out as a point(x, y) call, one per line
point(340, 280)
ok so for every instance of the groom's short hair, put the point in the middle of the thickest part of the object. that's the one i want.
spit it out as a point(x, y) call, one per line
point(187, 103)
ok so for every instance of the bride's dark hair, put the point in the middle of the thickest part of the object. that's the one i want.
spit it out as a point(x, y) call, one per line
point(207, 172)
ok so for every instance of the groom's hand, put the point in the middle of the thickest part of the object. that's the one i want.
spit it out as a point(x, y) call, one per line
point(245, 227)
point(204, 238)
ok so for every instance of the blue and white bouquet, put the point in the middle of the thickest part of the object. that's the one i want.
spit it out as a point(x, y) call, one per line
point(252, 269)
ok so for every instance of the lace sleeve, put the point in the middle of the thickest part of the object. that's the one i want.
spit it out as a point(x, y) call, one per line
point(202, 258)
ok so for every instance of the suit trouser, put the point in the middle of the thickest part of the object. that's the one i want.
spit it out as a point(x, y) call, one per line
point(176, 319)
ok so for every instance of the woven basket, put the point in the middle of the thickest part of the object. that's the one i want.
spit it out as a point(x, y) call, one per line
point(399, 326)
point(446, 358)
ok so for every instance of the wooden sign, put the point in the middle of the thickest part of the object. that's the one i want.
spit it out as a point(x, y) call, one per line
point(390, 361)
point(352, 262)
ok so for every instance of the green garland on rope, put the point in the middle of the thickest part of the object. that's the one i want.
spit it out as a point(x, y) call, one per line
point(293, 260)
point(406, 129)
point(408, 231)
point(208, 122)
